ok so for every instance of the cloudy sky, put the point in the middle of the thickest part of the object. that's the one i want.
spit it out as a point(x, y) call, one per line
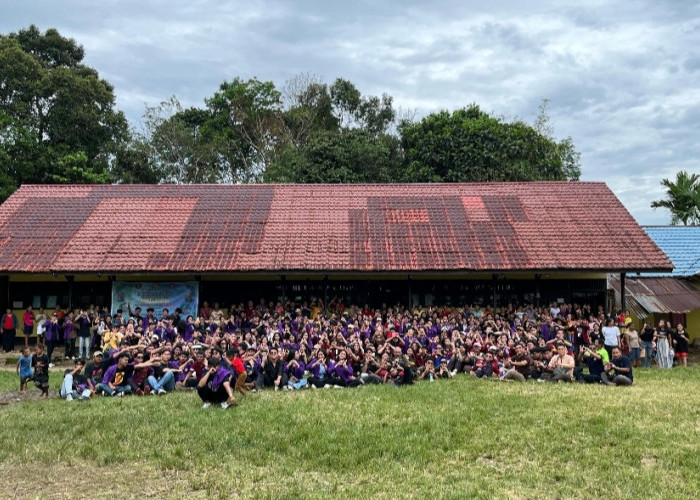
point(622, 78)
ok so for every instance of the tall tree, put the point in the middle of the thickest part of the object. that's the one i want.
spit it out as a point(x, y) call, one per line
point(469, 145)
point(349, 157)
point(336, 135)
point(682, 199)
point(244, 127)
point(58, 118)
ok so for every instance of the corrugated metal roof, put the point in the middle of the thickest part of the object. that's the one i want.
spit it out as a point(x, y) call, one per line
point(483, 227)
point(658, 295)
point(681, 244)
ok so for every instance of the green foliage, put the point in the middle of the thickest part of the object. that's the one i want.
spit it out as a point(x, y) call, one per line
point(469, 145)
point(59, 122)
point(682, 199)
point(245, 122)
point(460, 438)
point(350, 157)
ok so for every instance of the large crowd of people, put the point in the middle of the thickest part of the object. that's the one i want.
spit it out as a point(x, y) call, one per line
point(294, 346)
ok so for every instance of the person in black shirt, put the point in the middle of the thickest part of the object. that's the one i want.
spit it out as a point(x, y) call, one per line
point(40, 363)
point(271, 371)
point(680, 345)
point(646, 337)
point(618, 371)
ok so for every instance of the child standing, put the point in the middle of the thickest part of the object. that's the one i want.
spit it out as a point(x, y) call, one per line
point(24, 369)
point(40, 363)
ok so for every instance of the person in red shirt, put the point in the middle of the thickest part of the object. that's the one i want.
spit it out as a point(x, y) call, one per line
point(234, 356)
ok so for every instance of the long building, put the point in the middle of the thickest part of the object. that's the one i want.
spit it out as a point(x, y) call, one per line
point(485, 243)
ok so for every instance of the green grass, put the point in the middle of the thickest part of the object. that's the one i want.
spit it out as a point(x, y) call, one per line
point(461, 438)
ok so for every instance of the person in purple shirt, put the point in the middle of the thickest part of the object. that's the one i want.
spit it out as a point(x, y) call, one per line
point(343, 375)
point(295, 372)
point(115, 381)
point(215, 386)
point(320, 370)
point(68, 336)
point(188, 334)
point(51, 329)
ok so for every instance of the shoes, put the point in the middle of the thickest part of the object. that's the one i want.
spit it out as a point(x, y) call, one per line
point(139, 392)
point(337, 386)
point(119, 394)
point(286, 388)
point(327, 386)
point(162, 391)
point(224, 405)
point(147, 390)
point(205, 406)
point(313, 386)
point(51, 365)
point(69, 397)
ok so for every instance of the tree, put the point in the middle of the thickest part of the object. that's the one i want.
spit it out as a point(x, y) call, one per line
point(172, 147)
point(335, 135)
point(58, 118)
point(469, 145)
point(348, 157)
point(682, 199)
point(244, 127)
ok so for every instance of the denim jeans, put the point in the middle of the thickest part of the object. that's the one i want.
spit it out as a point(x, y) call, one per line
point(84, 347)
point(126, 389)
point(299, 384)
point(67, 388)
point(648, 348)
point(167, 382)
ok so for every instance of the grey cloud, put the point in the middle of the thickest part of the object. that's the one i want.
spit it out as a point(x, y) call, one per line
point(620, 76)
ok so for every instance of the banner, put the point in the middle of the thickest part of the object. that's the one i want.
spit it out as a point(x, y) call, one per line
point(156, 294)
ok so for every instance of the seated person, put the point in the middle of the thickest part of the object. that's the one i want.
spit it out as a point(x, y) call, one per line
point(562, 365)
point(115, 381)
point(619, 370)
point(163, 372)
point(485, 367)
point(76, 385)
point(215, 386)
point(518, 365)
point(271, 373)
point(595, 356)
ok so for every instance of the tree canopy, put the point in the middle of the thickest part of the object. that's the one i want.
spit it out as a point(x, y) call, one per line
point(58, 121)
point(469, 145)
point(682, 199)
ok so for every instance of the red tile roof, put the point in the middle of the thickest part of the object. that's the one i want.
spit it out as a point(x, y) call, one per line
point(538, 226)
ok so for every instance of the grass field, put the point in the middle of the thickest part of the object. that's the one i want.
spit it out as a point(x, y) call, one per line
point(452, 439)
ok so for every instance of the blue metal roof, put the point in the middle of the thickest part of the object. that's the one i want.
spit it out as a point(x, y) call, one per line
point(681, 244)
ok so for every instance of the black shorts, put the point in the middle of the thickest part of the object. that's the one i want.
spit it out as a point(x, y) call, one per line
point(28, 330)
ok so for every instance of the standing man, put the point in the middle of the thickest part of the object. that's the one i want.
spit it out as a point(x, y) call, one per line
point(8, 326)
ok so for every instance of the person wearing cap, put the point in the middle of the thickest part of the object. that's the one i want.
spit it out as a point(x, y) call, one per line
point(93, 368)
